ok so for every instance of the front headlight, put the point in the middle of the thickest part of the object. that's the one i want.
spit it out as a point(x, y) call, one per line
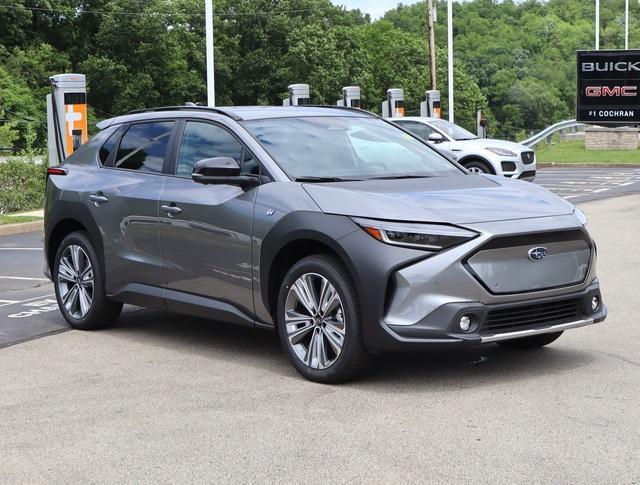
point(582, 217)
point(503, 152)
point(432, 237)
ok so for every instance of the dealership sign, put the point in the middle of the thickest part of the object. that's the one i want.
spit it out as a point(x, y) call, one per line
point(608, 86)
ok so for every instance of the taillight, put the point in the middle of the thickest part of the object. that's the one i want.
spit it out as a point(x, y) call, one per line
point(57, 170)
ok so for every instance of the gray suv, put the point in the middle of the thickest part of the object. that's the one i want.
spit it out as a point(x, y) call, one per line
point(343, 232)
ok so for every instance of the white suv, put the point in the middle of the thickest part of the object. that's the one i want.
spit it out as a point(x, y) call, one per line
point(478, 155)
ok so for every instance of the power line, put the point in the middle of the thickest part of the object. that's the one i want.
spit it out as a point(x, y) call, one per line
point(158, 14)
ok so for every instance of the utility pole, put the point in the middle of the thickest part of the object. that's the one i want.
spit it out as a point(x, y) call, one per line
point(626, 24)
point(597, 24)
point(432, 44)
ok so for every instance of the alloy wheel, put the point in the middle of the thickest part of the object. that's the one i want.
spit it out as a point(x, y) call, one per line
point(476, 170)
point(314, 319)
point(75, 281)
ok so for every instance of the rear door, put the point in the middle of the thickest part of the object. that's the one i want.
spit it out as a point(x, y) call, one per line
point(124, 201)
point(205, 230)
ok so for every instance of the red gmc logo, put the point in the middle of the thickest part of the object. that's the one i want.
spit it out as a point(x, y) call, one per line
point(602, 91)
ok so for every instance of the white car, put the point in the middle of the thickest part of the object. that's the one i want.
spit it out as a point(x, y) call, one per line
point(478, 155)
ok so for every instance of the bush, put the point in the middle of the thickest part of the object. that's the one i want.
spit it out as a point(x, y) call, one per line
point(22, 184)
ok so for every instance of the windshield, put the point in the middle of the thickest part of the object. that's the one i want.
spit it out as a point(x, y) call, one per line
point(454, 131)
point(346, 147)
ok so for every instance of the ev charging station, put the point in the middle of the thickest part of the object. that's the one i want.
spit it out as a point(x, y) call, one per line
point(393, 106)
point(482, 124)
point(431, 105)
point(298, 95)
point(350, 97)
point(66, 115)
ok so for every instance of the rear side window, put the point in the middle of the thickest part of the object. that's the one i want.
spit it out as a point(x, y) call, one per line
point(143, 146)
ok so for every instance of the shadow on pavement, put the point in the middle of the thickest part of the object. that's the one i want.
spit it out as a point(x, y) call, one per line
point(456, 368)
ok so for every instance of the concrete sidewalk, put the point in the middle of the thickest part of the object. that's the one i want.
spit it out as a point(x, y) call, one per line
point(163, 398)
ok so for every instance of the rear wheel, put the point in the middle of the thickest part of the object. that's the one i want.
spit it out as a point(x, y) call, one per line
point(477, 167)
point(319, 320)
point(79, 285)
point(534, 342)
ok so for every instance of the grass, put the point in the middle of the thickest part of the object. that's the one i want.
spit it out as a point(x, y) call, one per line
point(574, 152)
point(8, 219)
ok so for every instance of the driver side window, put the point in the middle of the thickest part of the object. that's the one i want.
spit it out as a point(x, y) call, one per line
point(202, 140)
point(419, 129)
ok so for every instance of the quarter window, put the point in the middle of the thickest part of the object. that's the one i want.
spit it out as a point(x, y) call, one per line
point(143, 147)
point(108, 146)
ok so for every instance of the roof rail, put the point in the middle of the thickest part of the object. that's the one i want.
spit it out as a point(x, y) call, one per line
point(190, 107)
point(334, 106)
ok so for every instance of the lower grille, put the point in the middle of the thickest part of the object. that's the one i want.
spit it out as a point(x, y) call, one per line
point(527, 157)
point(528, 173)
point(539, 314)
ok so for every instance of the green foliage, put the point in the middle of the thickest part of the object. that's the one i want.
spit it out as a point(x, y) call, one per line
point(515, 59)
point(23, 184)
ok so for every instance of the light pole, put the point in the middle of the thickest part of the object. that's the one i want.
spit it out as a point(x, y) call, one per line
point(450, 56)
point(211, 84)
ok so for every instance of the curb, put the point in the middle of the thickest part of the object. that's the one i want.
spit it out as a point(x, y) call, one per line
point(586, 165)
point(8, 229)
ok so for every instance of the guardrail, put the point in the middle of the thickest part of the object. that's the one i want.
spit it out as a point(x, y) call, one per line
point(550, 130)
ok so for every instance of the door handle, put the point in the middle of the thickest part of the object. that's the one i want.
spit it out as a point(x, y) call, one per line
point(171, 210)
point(98, 199)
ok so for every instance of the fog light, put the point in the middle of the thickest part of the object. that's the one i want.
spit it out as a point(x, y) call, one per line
point(595, 303)
point(465, 323)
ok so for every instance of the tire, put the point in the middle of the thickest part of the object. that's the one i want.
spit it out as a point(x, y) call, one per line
point(339, 353)
point(528, 343)
point(89, 308)
point(477, 166)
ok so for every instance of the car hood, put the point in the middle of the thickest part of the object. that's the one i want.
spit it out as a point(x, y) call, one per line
point(456, 199)
point(488, 142)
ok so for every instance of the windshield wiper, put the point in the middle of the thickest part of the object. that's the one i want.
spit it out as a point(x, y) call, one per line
point(324, 179)
point(392, 177)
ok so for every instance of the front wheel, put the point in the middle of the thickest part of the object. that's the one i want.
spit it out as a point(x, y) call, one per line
point(533, 342)
point(478, 167)
point(79, 285)
point(319, 320)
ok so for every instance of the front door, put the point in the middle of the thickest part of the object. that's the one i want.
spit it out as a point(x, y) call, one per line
point(205, 230)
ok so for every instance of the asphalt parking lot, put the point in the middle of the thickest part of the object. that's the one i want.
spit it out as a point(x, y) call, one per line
point(167, 398)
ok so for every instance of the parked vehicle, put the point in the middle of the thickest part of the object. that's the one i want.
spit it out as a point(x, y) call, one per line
point(478, 155)
point(330, 225)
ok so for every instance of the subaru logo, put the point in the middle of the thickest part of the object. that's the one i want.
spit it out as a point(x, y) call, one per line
point(537, 254)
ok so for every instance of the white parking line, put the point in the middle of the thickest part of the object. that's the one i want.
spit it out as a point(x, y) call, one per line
point(23, 278)
point(7, 302)
point(20, 249)
point(28, 299)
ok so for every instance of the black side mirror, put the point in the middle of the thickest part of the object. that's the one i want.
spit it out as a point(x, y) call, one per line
point(221, 171)
point(435, 137)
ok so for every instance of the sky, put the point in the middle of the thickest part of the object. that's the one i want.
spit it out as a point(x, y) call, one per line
point(375, 8)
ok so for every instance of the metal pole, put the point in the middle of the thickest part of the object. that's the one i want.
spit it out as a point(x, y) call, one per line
point(211, 84)
point(597, 24)
point(432, 44)
point(450, 56)
point(626, 24)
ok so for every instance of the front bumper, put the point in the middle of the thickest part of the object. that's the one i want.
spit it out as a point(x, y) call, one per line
point(515, 167)
point(409, 299)
point(528, 317)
